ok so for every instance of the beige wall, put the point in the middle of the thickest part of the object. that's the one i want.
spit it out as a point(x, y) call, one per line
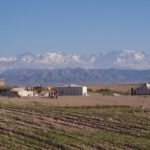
point(2, 82)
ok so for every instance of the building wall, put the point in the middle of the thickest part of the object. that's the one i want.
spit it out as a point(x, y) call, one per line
point(2, 82)
point(25, 93)
point(69, 91)
point(142, 91)
point(84, 91)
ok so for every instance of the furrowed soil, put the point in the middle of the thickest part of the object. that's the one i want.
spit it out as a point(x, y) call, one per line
point(69, 123)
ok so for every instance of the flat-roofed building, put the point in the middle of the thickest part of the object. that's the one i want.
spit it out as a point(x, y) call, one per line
point(143, 89)
point(71, 89)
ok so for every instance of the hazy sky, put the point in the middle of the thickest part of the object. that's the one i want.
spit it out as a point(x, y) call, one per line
point(73, 26)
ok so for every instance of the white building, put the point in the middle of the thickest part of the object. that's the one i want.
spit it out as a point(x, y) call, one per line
point(144, 89)
point(71, 89)
point(22, 92)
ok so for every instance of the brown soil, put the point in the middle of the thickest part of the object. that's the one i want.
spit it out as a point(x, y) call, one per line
point(117, 87)
point(91, 100)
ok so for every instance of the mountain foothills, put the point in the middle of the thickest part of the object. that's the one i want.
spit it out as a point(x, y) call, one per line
point(75, 75)
point(123, 59)
point(55, 68)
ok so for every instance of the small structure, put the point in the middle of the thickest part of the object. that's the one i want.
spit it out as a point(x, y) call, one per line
point(144, 89)
point(71, 89)
point(41, 90)
point(5, 91)
point(22, 92)
point(2, 82)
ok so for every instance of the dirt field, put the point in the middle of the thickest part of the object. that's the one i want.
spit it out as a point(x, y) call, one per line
point(75, 123)
point(91, 100)
point(116, 87)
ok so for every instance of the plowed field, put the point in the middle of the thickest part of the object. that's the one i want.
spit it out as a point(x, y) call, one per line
point(37, 125)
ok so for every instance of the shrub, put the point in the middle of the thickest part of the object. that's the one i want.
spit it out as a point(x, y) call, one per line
point(104, 91)
point(89, 90)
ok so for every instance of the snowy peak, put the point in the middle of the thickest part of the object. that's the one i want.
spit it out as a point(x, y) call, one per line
point(123, 59)
point(55, 57)
point(7, 59)
point(131, 59)
point(27, 57)
point(131, 55)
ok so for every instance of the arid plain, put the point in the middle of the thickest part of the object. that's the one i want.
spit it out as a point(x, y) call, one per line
point(90, 122)
point(93, 98)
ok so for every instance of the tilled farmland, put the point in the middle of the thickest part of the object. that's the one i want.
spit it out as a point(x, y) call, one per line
point(35, 125)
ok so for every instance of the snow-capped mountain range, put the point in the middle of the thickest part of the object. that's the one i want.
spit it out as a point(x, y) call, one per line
point(122, 59)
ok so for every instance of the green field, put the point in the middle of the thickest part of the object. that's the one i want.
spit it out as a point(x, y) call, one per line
point(36, 125)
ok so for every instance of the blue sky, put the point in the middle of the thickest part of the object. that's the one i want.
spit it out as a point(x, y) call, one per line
point(73, 26)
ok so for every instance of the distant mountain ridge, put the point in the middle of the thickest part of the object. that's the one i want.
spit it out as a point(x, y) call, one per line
point(74, 75)
point(122, 59)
